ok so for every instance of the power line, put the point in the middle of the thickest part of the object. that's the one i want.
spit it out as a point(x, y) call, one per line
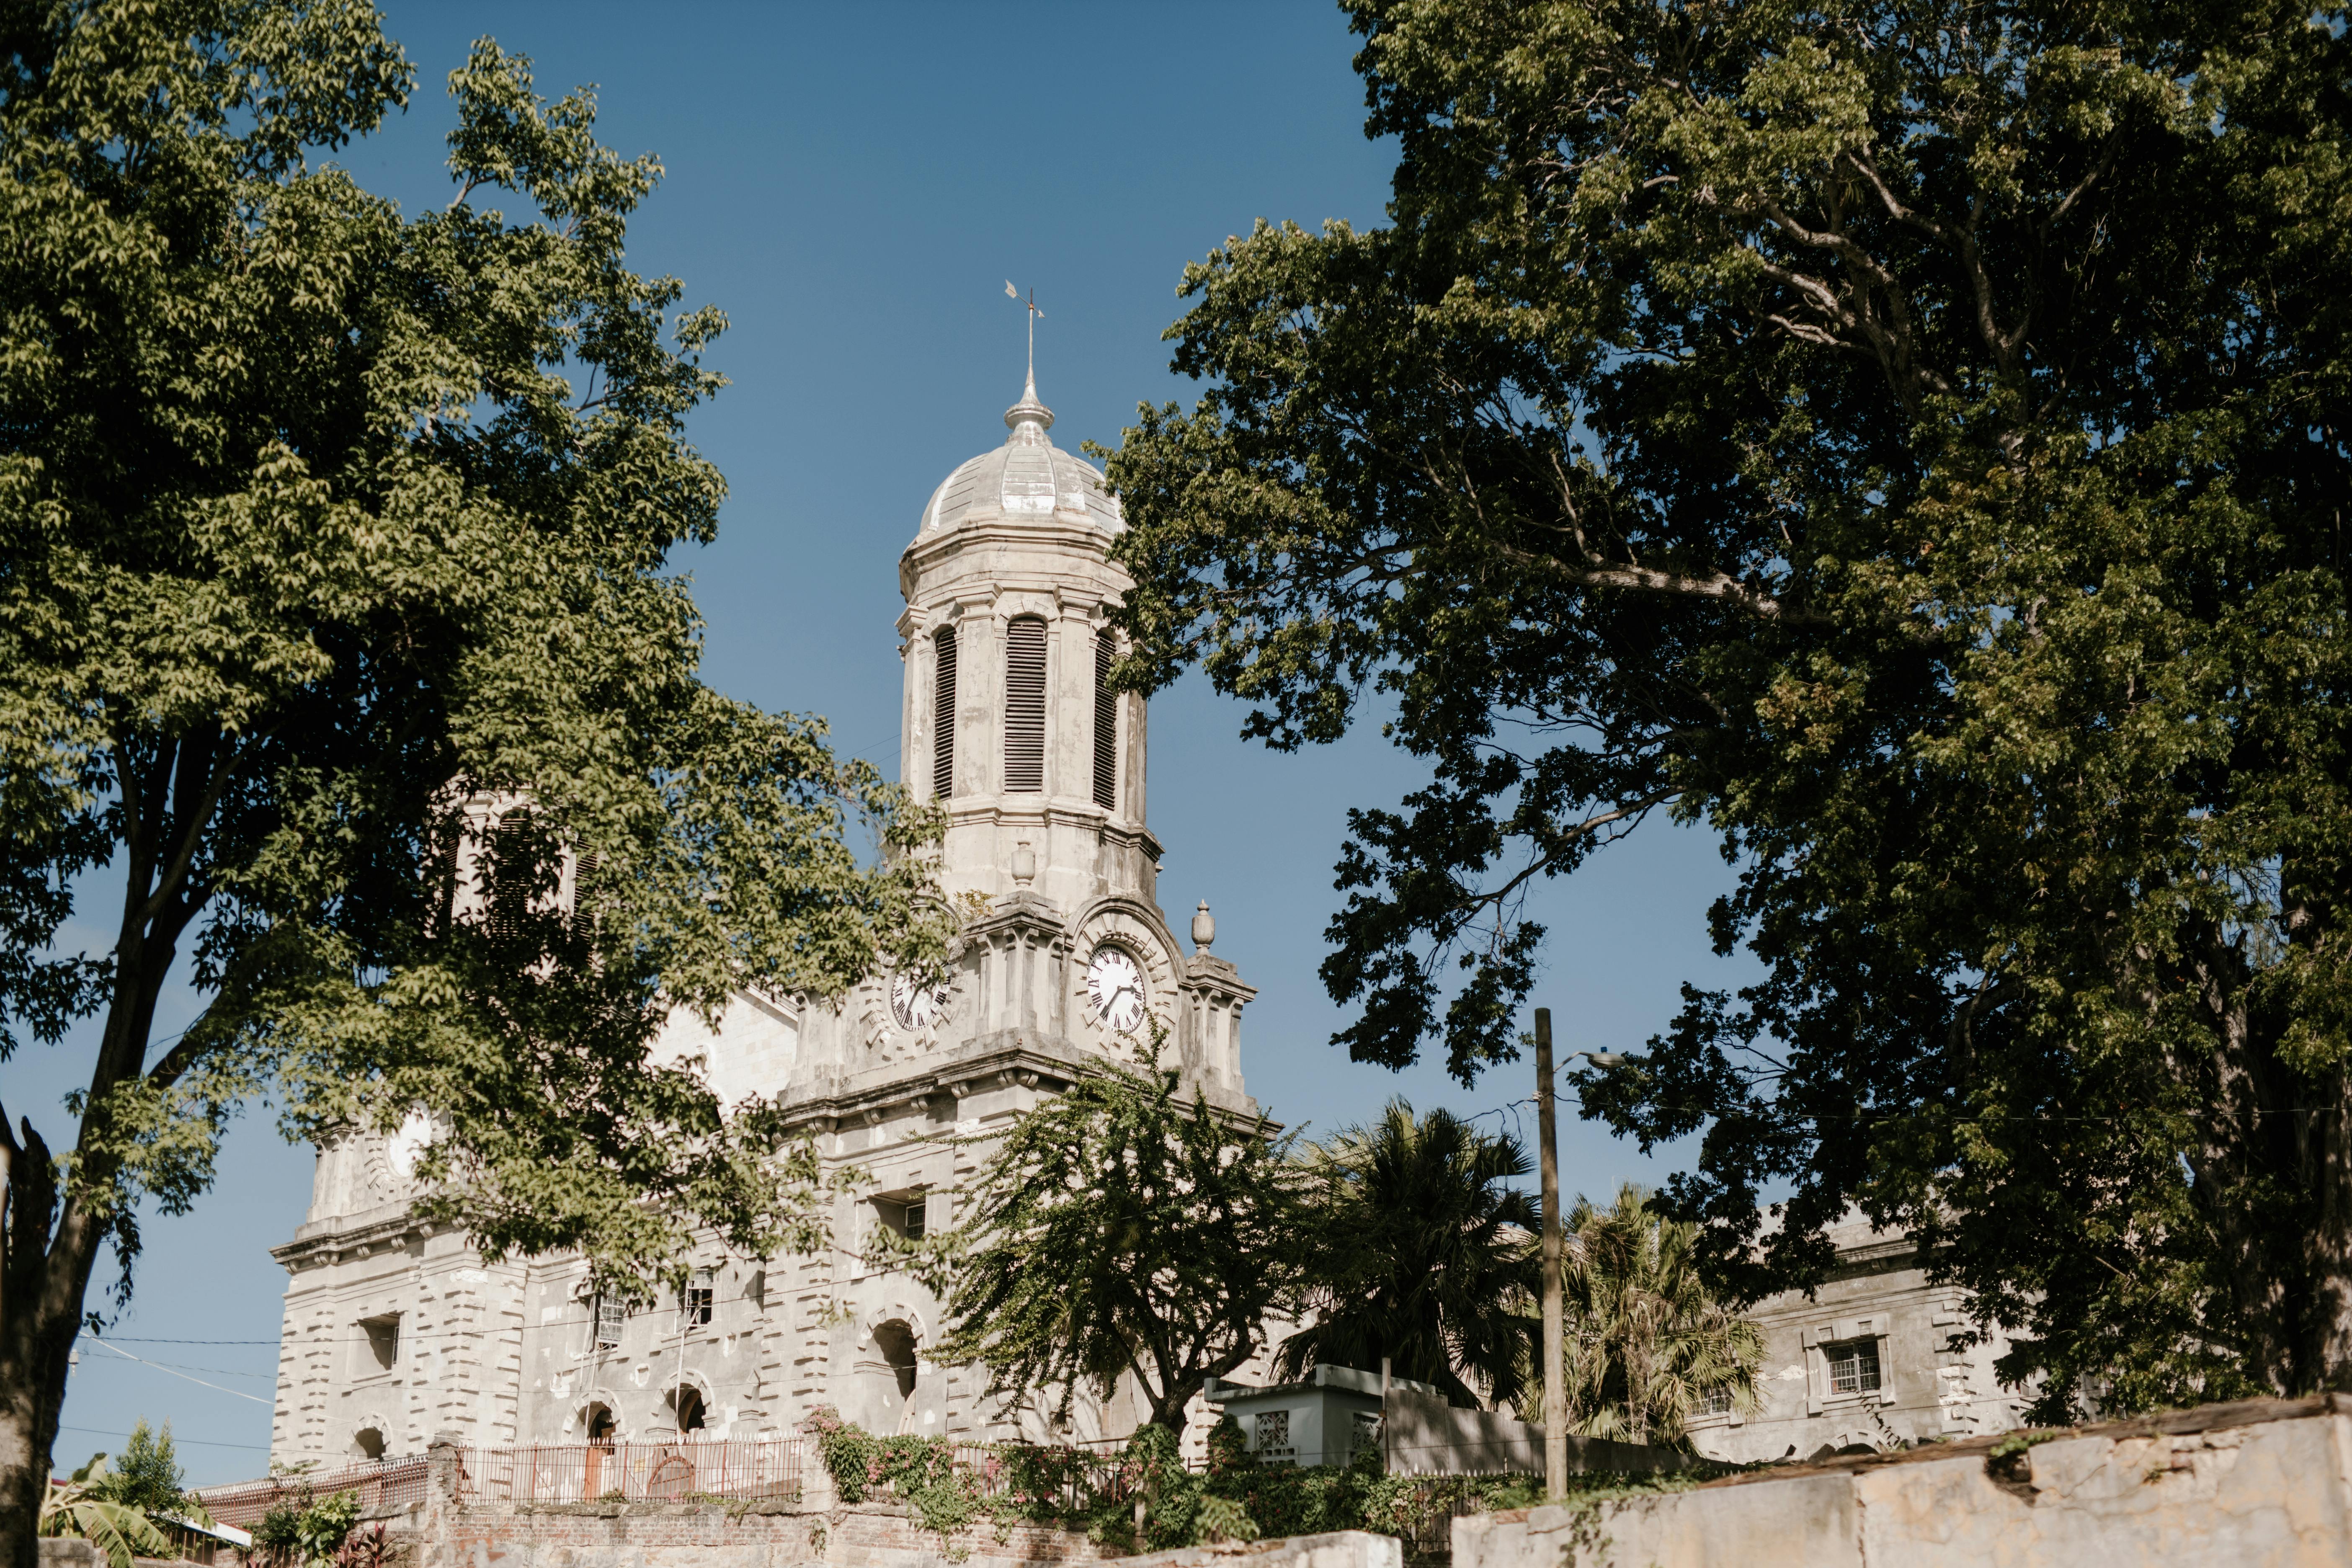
point(176, 1439)
point(159, 1366)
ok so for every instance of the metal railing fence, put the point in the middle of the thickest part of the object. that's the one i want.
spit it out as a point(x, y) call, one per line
point(383, 1485)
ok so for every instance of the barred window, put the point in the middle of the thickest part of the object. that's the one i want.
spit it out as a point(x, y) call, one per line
point(1105, 724)
point(1025, 705)
point(1854, 1366)
point(1715, 1401)
point(611, 1313)
point(944, 714)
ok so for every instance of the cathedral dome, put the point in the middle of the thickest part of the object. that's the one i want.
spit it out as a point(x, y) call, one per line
point(1028, 477)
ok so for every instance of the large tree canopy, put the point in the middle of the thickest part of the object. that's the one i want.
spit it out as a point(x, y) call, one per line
point(1909, 440)
point(324, 532)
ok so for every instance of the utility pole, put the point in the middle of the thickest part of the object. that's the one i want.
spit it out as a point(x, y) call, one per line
point(1555, 1369)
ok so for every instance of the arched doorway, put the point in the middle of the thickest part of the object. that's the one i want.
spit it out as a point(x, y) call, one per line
point(895, 1340)
point(600, 1471)
point(686, 1408)
point(895, 1343)
point(367, 1443)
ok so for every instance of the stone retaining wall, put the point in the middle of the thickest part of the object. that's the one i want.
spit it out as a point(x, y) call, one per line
point(710, 1535)
point(2259, 1484)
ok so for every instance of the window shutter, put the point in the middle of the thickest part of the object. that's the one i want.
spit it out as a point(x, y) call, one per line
point(1025, 705)
point(1105, 726)
point(943, 713)
point(510, 901)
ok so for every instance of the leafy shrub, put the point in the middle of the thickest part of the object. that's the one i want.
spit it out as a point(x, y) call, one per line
point(1235, 1499)
point(305, 1531)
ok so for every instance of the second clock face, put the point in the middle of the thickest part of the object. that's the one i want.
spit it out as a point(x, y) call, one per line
point(1115, 986)
point(916, 1005)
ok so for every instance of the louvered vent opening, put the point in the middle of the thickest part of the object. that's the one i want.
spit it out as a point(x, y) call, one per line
point(509, 901)
point(1105, 726)
point(1025, 706)
point(943, 702)
point(584, 871)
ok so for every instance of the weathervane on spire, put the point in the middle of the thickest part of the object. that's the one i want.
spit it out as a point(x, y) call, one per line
point(1030, 304)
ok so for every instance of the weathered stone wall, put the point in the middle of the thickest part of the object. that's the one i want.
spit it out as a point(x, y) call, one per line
point(1427, 1436)
point(2262, 1483)
point(711, 1535)
point(1340, 1549)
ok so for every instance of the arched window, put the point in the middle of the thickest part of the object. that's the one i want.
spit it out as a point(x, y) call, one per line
point(687, 1401)
point(943, 711)
point(895, 1340)
point(1105, 724)
point(1025, 705)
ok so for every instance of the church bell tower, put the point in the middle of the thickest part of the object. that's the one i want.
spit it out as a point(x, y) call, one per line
point(1008, 724)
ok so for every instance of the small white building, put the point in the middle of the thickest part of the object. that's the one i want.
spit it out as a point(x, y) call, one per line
point(1324, 1420)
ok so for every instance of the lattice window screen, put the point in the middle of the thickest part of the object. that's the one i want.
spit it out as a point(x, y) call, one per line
point(1105, 726)
point(943, 712)
point(1025, 705)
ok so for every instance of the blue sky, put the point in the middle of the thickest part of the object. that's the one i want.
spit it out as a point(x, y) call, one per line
point(854, 185)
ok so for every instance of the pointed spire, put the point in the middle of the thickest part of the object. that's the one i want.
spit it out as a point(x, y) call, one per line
point(1029, 411)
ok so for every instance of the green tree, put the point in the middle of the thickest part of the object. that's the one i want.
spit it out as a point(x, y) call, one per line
point(1647, 1345)
point(1423, 1255)
point(1911, 442)
point(1124, 1228)
point(325, 531)
point(146, 1475)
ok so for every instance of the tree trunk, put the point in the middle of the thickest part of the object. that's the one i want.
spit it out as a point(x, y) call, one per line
point(41, 1287)
point(48, 1248)
point(2327, 1155)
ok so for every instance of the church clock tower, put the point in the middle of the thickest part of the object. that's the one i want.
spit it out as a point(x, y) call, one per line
point(1009, 724)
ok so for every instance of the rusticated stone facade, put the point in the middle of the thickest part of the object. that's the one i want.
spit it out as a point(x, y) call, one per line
point(394, 1333)
point(1867, 1362)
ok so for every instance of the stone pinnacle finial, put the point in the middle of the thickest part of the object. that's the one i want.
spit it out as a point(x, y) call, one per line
point(1204, 927)
point(1029, 411)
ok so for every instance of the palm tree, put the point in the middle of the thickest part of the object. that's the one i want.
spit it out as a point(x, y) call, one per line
point(1647, 1344)
point(80, 1507)
point(1424, 1256)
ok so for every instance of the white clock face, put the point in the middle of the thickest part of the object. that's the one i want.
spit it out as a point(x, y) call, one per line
point(1115, 986)
point(916, 1005)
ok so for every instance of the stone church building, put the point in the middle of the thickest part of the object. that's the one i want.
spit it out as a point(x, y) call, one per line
point(394, 1332)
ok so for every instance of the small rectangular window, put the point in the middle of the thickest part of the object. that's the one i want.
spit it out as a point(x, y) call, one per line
point(700, 1296)
point(1854, 1366)
point(610, 1315)
point(1274, 1432)
point(1715, 1401)
point(901, 1216)
point(383, 1340)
